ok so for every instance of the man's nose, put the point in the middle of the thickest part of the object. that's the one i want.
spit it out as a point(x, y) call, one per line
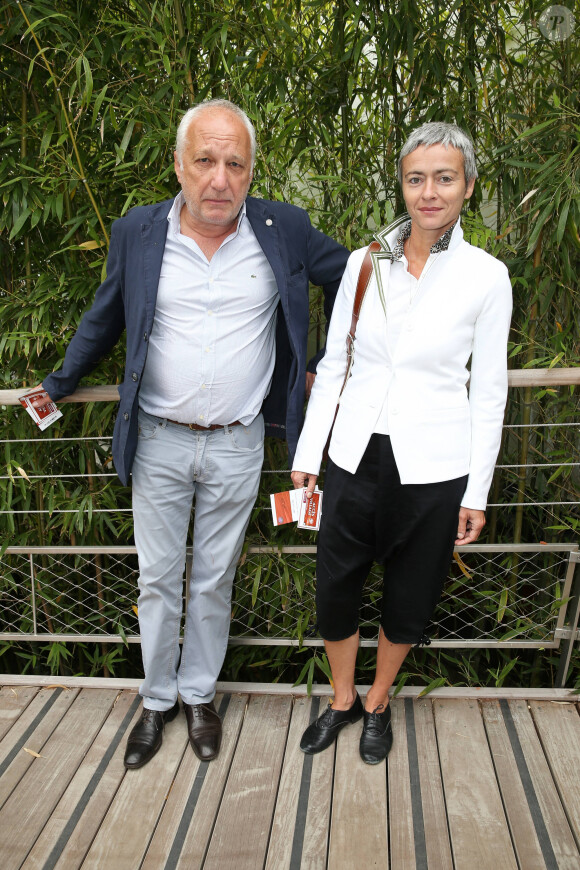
point(219, 178)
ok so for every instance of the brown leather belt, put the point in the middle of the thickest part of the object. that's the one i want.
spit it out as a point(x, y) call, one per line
point(197, 428)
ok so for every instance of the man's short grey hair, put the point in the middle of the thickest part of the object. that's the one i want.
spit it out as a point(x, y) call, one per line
point(193, 113)
point(441, 133)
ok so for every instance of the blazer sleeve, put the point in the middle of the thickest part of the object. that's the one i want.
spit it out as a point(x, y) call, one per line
point(330, 375)
point(488, 387)
point(327, 261)
point(98, 331)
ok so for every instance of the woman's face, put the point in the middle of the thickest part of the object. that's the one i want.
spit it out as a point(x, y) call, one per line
point(434, 187)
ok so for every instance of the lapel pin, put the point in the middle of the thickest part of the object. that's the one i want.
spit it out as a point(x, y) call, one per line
point(268, 223)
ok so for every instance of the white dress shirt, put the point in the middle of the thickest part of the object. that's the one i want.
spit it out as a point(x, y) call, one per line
point(402, 287)
point(212, 347)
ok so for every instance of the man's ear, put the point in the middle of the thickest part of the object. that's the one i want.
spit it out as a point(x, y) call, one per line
point(177, 166)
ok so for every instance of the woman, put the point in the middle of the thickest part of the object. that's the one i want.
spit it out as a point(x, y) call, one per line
point(411, 455)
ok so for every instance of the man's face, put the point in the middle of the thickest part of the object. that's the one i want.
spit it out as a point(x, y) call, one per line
point(217, 169)
point(434, 186)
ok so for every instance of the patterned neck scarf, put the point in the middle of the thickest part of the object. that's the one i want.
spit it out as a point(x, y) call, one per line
point(440, 245)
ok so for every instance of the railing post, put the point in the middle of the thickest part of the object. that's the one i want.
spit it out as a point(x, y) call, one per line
point(573, 608)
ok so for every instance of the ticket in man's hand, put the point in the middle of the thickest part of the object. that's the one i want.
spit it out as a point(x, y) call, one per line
point(310, 511)
point(43, 417)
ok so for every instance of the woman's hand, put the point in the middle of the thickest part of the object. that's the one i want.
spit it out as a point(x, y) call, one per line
point(471, 522)
point(302, 478)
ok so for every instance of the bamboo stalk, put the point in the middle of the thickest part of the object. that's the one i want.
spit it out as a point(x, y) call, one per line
point(181, 32)
point(81, 171)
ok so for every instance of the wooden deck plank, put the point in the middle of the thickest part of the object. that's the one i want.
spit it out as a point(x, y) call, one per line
point(12, 703)
point(30, 732)
point(315, 842)
point(128, 826)
point(240, 836)
point(557, 829)
point(559, 728)
point(401, 831)
point(68, 834)
point(437, 845)
point(31, 804)
point(477, 822)
point(523, 830)
point(182, 835)
point(284, 824)
point(358, 826)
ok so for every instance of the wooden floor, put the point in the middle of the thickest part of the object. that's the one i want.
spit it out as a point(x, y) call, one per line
point(470, 784)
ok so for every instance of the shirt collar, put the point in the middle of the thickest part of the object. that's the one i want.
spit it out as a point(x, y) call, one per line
point(442, 244)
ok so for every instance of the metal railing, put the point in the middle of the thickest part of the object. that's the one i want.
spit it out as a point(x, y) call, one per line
point(503, 596)
point(497, 595)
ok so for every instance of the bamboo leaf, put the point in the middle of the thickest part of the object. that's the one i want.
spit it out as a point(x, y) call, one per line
point(19, 223)
point(256, 585)
point(32, 752)
point(434, 684)
point(502, 604)
point(562, 221)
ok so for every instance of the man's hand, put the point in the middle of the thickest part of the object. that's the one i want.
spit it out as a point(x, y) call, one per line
point(40, 403)
point(471, 522)
point(302, 478)
point(310, 377)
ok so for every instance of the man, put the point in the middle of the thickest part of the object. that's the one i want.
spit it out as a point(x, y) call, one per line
point(212, 289)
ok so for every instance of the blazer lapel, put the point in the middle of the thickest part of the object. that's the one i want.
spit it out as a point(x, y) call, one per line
point(153, 235)
point(265, 226)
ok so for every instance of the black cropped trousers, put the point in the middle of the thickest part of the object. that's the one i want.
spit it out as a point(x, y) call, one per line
point(368, 517)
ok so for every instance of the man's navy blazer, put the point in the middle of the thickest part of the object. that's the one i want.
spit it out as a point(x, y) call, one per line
point(297, 253)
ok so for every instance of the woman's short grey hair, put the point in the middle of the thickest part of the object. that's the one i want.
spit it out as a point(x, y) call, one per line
point(440, 133)
point(192, 113)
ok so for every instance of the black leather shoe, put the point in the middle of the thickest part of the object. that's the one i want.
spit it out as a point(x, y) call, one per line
point(146, 737)
point(205, 729)
point(324, 730)
point(377, 735)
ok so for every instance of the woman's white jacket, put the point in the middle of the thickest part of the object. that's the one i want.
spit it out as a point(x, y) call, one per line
point(438, 429)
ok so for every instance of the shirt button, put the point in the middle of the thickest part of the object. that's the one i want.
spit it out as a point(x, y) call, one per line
point(211, 280)
point(268, 223)
point(135, 376)
point(203, 386)
point(209, 313)
point(125, 416)
point(207, 350)
point(201, 416)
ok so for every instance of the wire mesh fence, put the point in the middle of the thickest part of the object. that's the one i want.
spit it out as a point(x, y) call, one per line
point(503, 596)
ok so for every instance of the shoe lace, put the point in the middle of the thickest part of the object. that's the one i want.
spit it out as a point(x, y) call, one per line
point(374, 724)
point(326, 716)
point(201, 712)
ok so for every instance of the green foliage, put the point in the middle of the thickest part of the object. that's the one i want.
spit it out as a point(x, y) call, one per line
point(91, 94)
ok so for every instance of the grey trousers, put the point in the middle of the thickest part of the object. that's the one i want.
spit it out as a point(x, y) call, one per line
point(221, 470)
